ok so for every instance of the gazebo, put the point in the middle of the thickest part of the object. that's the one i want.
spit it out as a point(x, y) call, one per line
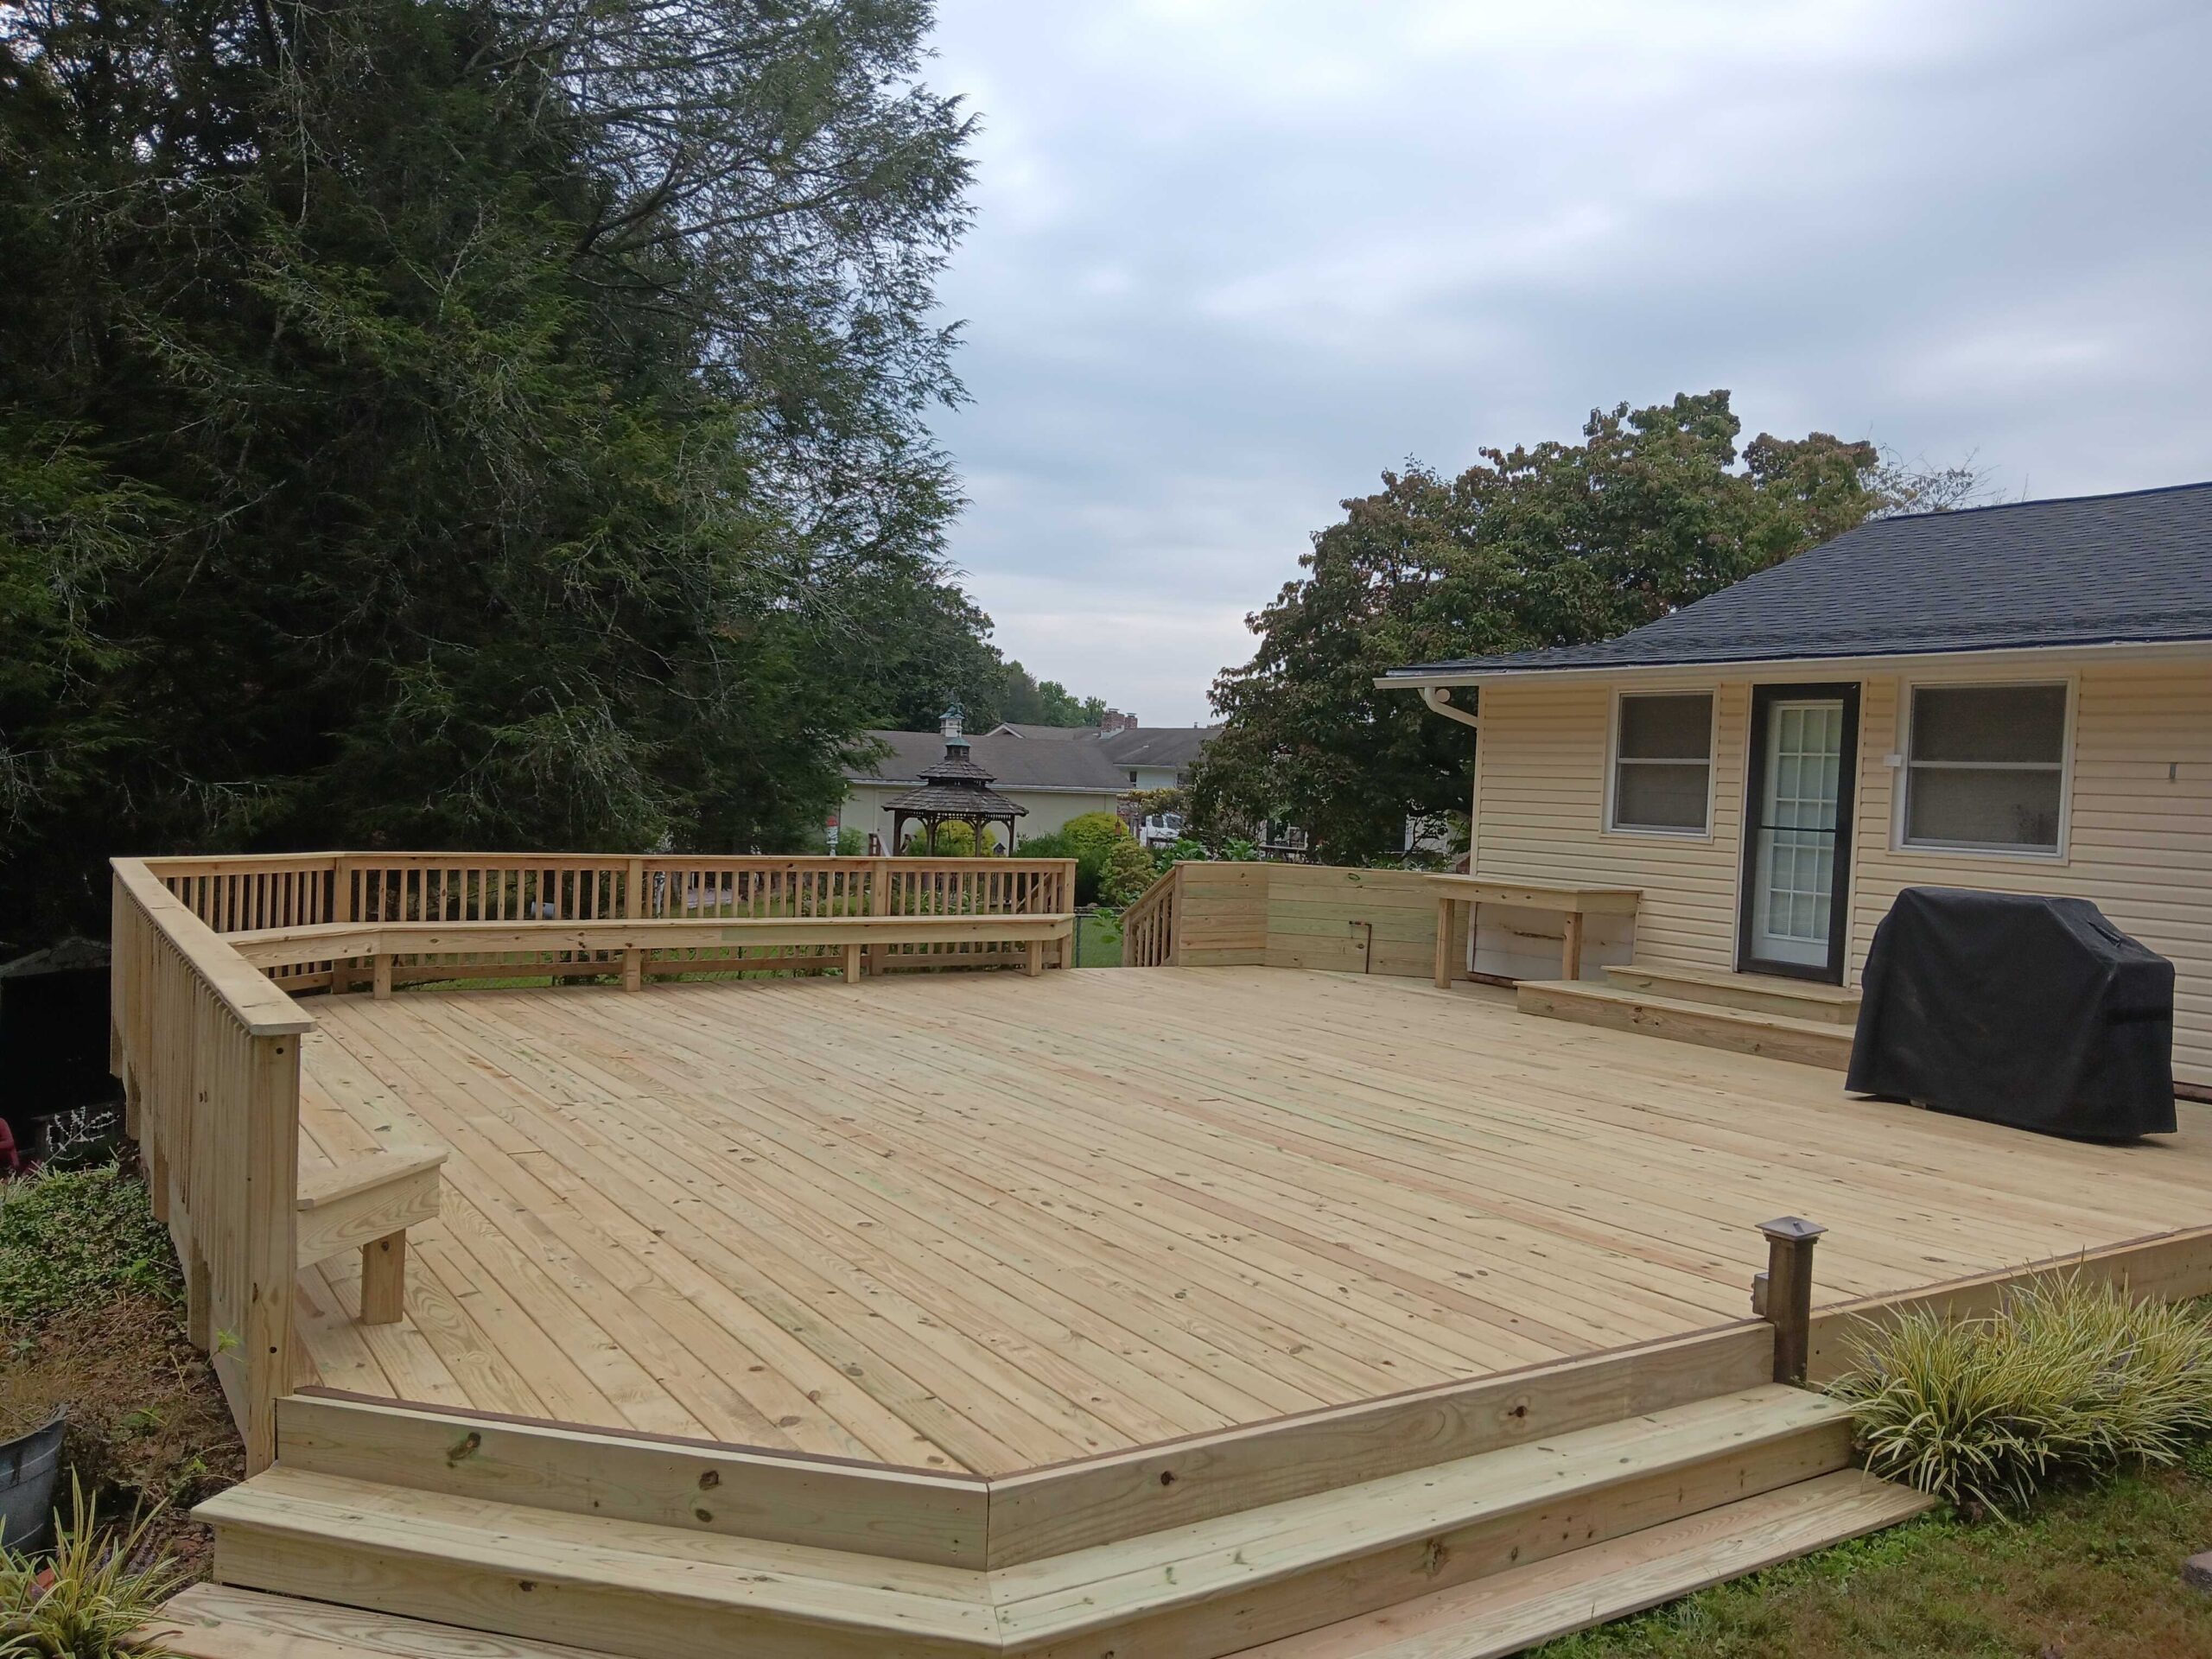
point(954, 790)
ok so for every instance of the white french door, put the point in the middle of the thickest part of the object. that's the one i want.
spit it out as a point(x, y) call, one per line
point(1797, 845)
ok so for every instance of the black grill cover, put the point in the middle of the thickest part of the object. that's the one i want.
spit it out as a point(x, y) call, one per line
point(2033, 1012)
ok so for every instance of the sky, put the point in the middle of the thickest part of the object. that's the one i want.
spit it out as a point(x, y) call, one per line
point(1233, 258)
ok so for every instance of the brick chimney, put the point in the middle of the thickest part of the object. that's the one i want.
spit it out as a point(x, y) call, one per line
point(1115, 721)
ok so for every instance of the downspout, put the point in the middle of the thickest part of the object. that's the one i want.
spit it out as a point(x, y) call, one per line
point(1439, 699)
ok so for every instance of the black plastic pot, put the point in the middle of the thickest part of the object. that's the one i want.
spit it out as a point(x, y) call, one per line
point(28, 1466)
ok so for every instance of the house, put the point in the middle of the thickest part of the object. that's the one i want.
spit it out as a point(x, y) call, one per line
point(2014, 698)
point(1149, 757)
point(1053, 782)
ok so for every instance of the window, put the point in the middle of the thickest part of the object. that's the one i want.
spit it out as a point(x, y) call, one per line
point(1986, 768)
point(1662, 762)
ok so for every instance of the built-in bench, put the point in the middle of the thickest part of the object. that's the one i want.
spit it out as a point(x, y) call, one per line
point(377, 943)
point(368, 1204)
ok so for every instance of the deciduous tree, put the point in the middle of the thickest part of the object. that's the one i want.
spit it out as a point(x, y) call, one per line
point(1551, 545)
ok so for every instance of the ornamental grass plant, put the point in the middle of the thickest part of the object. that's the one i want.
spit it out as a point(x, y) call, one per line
point(91, 1597)
point(2066, 1376)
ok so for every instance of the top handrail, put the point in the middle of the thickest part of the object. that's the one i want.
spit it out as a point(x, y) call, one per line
point(256, 1001)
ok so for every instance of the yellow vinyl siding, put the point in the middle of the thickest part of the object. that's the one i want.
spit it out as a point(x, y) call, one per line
point(2140, 841)
point(1541, 811)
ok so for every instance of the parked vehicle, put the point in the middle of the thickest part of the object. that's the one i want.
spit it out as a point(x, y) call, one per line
point(1161, 829)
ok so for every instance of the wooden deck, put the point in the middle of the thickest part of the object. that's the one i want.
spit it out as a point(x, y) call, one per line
point(969, 1224)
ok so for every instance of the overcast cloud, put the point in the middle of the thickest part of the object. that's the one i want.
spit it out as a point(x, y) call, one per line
point(1233, 257)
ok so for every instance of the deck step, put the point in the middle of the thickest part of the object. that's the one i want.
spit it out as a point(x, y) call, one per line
point(1799, 999)
point(1742, 1031)
point(650, 1591)
point(1516, 1609)
point(214, 1621)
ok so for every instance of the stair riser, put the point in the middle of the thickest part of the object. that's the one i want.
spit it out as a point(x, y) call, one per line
point(1230, 1622)
point(627, 1623)
point(1718, 1032)
point(640, 1625)
point(1750, 998)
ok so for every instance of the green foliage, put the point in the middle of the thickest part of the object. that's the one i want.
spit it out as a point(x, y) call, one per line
point(2090, 1572)
point(1552, 545)
point(88, 1600)
point(852, 844)
point(2066, 1376)
point(1028, 702)
point(435, 423)
point(1110, 868)
point(74, 1238)
point(954, 840)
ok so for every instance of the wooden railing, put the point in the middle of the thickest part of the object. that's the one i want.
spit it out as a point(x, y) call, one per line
point(254, 894)
point(208, 1043)
point(1148, 924)
point(209, 1053)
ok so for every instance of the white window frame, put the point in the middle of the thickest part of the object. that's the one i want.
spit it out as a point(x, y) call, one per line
point(1908, 699)
point(1614, 760)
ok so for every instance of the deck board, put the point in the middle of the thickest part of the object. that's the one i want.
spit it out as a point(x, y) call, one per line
point(984, 1223)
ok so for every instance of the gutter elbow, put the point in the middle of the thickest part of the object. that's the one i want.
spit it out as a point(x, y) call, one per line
point(1439, 699)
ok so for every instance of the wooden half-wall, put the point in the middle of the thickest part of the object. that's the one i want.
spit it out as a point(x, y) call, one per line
point(1323, 917)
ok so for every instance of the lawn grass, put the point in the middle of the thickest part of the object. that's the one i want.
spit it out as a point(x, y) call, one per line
point(2093, 1572)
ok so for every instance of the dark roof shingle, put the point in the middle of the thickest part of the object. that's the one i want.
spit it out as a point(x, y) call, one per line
point(2082, 571)
point(1015, 763)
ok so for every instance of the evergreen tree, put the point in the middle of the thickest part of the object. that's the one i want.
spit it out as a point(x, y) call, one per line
point(444, 422)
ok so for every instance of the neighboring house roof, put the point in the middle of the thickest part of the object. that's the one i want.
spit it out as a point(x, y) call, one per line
point(1013, 762)
point(1158, 745)
point(1011, 728)
point(2083, 570)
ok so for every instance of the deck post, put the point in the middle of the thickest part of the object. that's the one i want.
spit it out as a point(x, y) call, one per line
point(380, 984)
point(853, 964)
point(633, 969)
point(383, 1279)
point(1570, 951)
point(1786, 1296)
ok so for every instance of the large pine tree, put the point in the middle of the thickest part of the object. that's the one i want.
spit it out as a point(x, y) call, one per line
point(457, 421)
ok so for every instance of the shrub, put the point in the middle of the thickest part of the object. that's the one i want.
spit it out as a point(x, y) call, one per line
point(1110, 868)
point(2066, 1374)
point(80, 1237)
point(90, 1599)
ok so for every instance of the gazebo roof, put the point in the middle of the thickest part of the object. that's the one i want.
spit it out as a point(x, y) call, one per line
point(956, 787)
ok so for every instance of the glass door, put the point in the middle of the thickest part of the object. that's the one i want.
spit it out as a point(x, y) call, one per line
point(1797, 840)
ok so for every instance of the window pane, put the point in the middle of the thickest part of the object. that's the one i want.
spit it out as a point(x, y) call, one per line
point(1989, 723)
point(1999, 808)
point(1665, 795)
point(1666, 729)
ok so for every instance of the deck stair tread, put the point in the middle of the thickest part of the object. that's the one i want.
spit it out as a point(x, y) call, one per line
point(1801, 999)
point(466, 1559)
point(1741, 1031)
point(1517, 1609)
point(214, 1621)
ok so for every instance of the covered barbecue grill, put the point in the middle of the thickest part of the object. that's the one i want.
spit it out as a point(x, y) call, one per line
point(2033, 1012)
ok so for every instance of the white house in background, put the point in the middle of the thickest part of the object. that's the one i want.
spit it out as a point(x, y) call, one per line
point(1053, 782)
point(1057, 772)
point(1148, 757)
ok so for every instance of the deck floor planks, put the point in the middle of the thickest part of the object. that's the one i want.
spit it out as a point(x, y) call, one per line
point(1289, 1338)
point(1045, 1218)
point(578, 1238)
point(1988, 1215)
